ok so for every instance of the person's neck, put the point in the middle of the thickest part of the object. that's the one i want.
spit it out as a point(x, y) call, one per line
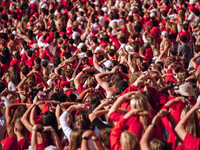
point(20, 136)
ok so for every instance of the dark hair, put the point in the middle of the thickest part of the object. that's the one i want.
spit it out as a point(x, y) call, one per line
point(2, 86)
point(183, 38)
point(101, 13)
point(122, 39)
point(185, 27)
point(197, 48)
point(89, 53)
point(67, 54)
point(124, 68)
point(196, 11)
point(144, 66)
point(37, 60)
point(2, 59)
point(25, 70)
point(29, 53)
point(121, 85)
point(56, 62)
point(49, 119)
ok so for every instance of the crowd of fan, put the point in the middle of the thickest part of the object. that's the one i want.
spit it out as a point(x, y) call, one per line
point(100, 74)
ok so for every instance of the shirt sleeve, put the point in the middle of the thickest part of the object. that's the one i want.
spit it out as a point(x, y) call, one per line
point(116, 133)
point(65, 127)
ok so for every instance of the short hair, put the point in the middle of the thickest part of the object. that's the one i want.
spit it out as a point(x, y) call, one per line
point(89, 53)
point(20, 127)
point(144, 66)
point(185, 27)
point(122, 85)
point(183, 38)
point(122, 39)
point(29, 53)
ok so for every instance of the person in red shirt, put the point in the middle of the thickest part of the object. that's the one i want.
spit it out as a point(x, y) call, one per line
point(189, 141)
point(21, 133)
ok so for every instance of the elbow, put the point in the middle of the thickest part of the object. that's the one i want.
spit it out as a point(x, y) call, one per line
point(177, 128)
point(92, 117)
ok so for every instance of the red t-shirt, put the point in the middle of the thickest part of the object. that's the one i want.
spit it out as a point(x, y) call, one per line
point(191, 143)
point(23, 144)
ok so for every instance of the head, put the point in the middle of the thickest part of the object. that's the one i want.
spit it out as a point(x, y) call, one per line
point(104, 137)
point(156, 144)
point(19, 127)
point(17, 114)
point(49, 119)
point(121, 86)
point(129, 141)
point(83, 121)
point(140, 102)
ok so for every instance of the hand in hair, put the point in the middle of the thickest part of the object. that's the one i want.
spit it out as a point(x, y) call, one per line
point(181, 126)
point(145, 143)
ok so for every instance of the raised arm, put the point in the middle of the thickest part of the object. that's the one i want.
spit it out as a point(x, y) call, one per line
point(118, 102)
point(144, 142)
point(103, 83)
point(181, 126)
point(95, 61)
point(193, 60)
point(25, 117)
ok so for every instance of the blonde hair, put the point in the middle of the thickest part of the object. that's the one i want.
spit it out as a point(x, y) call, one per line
point(192, 124)
point(129, 141)
point(75, 139)
point(140, 102)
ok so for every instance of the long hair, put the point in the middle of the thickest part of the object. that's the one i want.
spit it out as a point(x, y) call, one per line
point(17, 114)
point(192, 124)
point(156, 144)
point(49, 119)
point(140, 102)
point(129, 141)
point(75, 139)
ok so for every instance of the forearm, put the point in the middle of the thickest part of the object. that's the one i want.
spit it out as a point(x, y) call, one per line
point(25, 118)
point(34, 142)
point(75, 71)
point(97, 114)
point(21, 84)
point(98, 145)
point(77, 79)
point(56, 139)
point(82, 95)
point(144, 143)
point(32, 116)
point(84, 145)
point(115, 106)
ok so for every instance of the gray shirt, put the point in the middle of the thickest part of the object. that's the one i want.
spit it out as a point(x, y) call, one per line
point(184, 51)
